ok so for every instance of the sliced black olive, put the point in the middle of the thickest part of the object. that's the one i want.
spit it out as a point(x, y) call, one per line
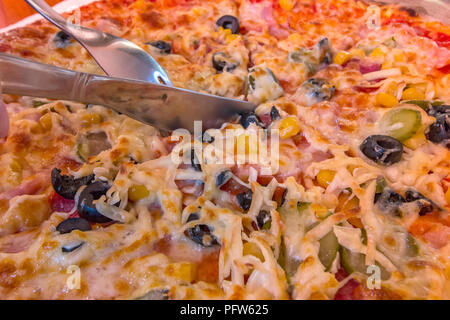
point(86, 207)
point(201, 234)
point(437, 110)
point(389, 202)
point(410, 11)
point(264, 220)
point(382, 149)
point(229, 22)
point(245, 199)
point(223, 178)
point(193, 216)
point(71, 224)
point(222, 62)
point(318, 89)
point(425, 204)
point(67, 186)
point(194, 161)
point(248, 118)
point(62, 40)
point(274, 114)
point(207, 138)
point(164, 47)
point(156, 294)
point(72, 246)
point(325, 54)
point(437, 132)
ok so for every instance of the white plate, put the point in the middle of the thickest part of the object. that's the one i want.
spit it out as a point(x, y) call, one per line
point(64, 6)
point(438, 9)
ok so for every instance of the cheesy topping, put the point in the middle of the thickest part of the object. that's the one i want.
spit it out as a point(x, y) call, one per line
point(193, 217)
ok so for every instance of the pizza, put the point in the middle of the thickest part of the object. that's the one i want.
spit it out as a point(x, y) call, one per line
point(353, 95)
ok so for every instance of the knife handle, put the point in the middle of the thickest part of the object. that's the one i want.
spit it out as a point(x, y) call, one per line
point(25, 77)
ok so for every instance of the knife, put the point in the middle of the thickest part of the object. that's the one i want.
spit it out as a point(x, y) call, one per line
point(164, 107)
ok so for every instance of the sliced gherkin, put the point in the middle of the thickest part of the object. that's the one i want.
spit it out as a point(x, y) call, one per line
point(91, 144)
point(356, 262)
point(401, 123)
point(329, 247)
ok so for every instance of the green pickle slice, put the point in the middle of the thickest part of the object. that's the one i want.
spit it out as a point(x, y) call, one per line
point(401, 123)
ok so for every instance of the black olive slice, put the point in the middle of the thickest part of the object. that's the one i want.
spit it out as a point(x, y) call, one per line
point(164, 47)
point(201, 234)
point(221, 62)
point(194, 161)
point(156, 294)
point(247, 118)
point(425, 204)
point(442, 109)
point(245, 199)
point(62, 40)
point(382, 149)
point(263, 219)
point(71, 224)
point(223, 178)
point(319, 89)
point(229, 22)
point(67, 186)
point(86, 207)
point(193, 216)
point(207, 138)
point(274, 114)
point(389, 202)
point(70, 247)
point(325, 54)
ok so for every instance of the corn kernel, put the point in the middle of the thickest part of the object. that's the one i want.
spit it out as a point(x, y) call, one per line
point(46, 122)
point(186, 272)
point(138, 192)
point(242, 144)
point(416, 140)
point(325, 177)
point(15, 174)
point(287, 4)
point(289, 127)
point(294, 37)
point(391, 88)
point(352, 168)
point(386, 100)
point(92, 118)
point(15, 166)
point(347, 203)
point(404, 69)
point(386, 65)
point(377, 53)
point(342, 57)
point(320, 211)
point(197, 11)
point(140, 4)
point(36, 128)
point(357, 53)
point(399, 56)
point(412, 94)
point(251, 248)
point(447, 196)
point(231, 37)
point(226, 31)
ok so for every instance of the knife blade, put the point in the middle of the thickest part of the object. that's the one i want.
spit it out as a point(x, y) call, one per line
point(164, 107)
